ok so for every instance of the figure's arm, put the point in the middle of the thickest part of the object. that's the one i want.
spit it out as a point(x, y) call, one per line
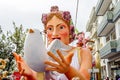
point(24, 69)
point(64, 67)
point(86, 64)
point(32, 76)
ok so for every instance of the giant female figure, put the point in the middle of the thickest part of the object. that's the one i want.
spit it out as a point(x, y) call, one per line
point(76, 63)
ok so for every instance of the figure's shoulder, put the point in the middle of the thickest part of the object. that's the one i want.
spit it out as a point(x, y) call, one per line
point(71, 50)
point(85, 51)
point(78, 49)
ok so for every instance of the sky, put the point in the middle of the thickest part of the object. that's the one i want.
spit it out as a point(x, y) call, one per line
point(29, 12)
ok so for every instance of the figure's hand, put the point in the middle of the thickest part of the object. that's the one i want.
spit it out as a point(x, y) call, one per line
point(22, 66)
point(63, 63)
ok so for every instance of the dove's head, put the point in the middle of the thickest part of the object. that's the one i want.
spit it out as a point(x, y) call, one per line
point(58, 25)
point(34, 33)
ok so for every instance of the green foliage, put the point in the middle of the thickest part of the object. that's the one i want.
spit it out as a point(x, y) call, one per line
point(11, 42)
point(5, 46)
point(18, 38)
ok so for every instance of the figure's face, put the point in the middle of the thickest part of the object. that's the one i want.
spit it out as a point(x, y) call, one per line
point(57, 29)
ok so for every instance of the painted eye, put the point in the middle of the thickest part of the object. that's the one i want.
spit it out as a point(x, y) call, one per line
point(50, 29)
point(61, 27)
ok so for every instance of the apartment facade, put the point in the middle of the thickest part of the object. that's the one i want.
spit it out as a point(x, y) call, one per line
point(92, 28)
point(107, 40)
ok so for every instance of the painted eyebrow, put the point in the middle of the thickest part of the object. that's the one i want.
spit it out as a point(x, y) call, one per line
point(61, 24)
point(50, 25)
point(56, 26)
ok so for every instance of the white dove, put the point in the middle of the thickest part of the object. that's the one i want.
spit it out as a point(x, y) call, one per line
point(57, 44)
point(35, 50)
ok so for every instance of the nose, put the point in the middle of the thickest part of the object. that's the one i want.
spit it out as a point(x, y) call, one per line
point(55, 32)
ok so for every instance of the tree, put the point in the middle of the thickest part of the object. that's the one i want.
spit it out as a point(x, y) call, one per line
point(6, 48)
point(18, 38)
point(11, 42)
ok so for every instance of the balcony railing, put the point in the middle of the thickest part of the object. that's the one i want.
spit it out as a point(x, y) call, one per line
point(106, 24)
point(102, 7)
point(93, 15)
point(109, 49)
point(92, 19)
point(118, 45)
point(116, 11)
point(94, 31)
point(88, 26)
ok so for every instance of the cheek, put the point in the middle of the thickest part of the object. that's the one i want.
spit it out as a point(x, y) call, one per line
point(49, 36)
point(64, 34)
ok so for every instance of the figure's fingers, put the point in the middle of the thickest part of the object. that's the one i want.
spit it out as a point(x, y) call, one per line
point(19, 64)
point(69, 57)
point(20, 59)
point(22, 71)
point(53, 64)
point(52, 69)
point(16, 56)
point(55, 58)
point(61, 56)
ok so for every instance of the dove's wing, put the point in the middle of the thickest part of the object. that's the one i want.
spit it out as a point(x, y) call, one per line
point(35, 51)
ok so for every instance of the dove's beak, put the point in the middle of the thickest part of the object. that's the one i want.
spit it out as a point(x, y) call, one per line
point(31, 31)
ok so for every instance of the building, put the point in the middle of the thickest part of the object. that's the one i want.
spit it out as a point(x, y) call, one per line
point(107, 39)
point(92, 28)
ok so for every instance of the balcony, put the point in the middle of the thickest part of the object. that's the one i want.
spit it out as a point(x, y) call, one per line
point(109, 49)
point(116, 11)
point(92, 19)
point(106, 24)
point(88, 26)
point(93, 15)
point(102, 7)
point(94, 31)
point(118, 45)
